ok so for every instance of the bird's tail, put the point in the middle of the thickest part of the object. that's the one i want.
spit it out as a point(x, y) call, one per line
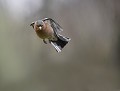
point(60, 43)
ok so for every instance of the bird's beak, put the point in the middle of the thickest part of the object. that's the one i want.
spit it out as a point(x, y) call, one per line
point(40, 27)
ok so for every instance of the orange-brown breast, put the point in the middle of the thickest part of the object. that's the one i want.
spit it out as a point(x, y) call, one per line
point(45, 32)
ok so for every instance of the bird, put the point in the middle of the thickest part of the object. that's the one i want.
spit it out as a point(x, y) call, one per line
point(49, 29)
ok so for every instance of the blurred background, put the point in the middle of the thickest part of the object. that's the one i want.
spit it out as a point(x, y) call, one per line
point(90, 62)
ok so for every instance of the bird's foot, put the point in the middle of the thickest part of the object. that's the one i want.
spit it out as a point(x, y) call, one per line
point(44, 41)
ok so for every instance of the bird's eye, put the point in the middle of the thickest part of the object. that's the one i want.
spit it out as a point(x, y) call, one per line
point(39, 25)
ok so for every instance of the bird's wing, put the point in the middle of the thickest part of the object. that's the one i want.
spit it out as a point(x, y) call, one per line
point(54, 25)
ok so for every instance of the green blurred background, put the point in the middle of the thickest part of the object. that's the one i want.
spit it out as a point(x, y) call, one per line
point(90, 62)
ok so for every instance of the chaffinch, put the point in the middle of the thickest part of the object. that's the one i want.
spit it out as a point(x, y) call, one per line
point(47, 28)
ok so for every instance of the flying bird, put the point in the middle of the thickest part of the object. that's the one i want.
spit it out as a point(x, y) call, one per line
point(49, 29)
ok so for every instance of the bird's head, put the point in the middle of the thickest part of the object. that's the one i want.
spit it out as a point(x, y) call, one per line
point(39, 24)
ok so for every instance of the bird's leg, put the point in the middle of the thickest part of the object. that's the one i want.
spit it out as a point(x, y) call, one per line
point(49, 41)
point(44, 41)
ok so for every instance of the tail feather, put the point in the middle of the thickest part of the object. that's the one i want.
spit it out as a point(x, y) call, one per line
point(60, 43)
point(58, 49)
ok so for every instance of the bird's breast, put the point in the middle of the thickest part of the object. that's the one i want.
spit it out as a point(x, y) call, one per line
point(45, 32)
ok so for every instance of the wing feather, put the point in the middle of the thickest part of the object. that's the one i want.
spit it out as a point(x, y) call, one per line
point(54, 24)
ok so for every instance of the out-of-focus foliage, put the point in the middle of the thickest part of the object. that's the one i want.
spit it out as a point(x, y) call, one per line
point(90, 62)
